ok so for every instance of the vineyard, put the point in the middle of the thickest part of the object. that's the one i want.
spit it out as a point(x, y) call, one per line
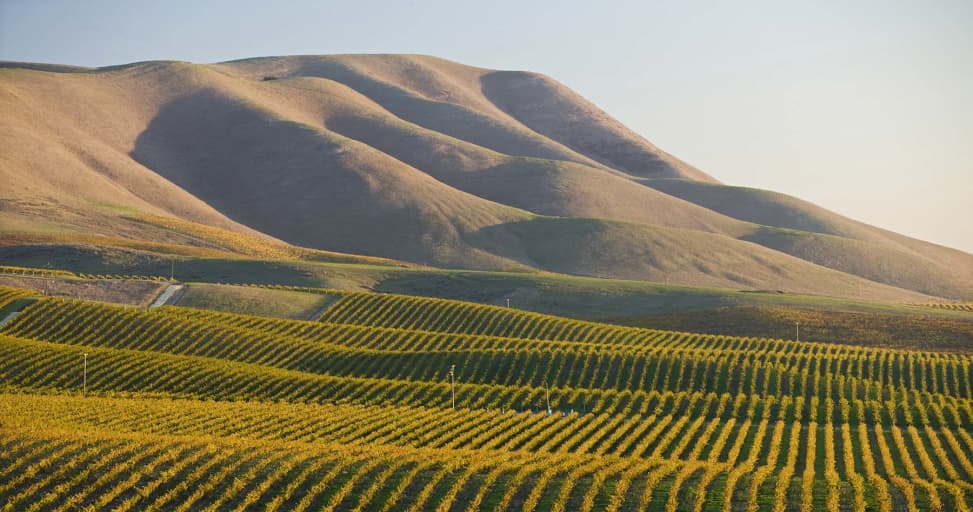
point(952, 306)
point(35, 272)
point(187, 409)
point(9, 295)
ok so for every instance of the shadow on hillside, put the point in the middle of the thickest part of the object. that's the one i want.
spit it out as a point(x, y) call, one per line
point(555, 112)
point(283, 178)
point(440, 115)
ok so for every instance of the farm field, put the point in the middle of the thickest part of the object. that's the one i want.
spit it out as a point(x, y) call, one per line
point(190, 409)
point(301, 290)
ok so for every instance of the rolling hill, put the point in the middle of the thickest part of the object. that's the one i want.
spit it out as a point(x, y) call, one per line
point(415, 159)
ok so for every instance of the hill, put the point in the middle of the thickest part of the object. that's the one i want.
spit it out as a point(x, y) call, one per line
point(415, 159)
point(815, 234)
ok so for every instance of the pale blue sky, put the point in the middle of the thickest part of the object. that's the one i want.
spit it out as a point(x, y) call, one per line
point(864, 107)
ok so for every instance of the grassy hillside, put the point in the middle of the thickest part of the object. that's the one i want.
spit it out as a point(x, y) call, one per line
point(253, 301)
point(823, 237)
point(901, 268)
point(552, 109)
point(190, 409)
point(603, 248)
point(129, 291)
point(410, 158)
point(912, 329)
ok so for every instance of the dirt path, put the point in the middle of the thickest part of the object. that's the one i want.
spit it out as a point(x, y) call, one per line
point(9, 317)
point(315, 316)
point(165, 295)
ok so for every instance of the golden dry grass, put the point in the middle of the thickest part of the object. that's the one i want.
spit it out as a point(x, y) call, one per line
point(248, 300)
point(407, 157)
point(132, 292)
point(635, 251)
point(828, 239)
point(230, 242)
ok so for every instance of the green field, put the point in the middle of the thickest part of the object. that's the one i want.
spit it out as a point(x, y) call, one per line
point(193, 409)
point(254, 301)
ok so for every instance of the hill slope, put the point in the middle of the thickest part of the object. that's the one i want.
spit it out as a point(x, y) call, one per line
point(408, 157)
point(818, 235)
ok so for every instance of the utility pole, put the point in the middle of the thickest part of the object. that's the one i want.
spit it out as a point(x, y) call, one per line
point(797, 327)
point(452, 383)
point(172, 270)
point(547, 398)
point(84, 378)
point(49, 279)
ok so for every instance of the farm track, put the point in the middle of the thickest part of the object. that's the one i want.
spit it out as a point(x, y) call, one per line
point(167, 294)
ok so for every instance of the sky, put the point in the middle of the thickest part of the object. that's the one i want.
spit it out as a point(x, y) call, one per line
point(864, 107)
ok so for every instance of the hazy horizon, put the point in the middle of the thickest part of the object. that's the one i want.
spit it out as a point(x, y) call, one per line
point(866, 110)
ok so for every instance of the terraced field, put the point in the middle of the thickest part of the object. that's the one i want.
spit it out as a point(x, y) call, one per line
point(198, 410)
